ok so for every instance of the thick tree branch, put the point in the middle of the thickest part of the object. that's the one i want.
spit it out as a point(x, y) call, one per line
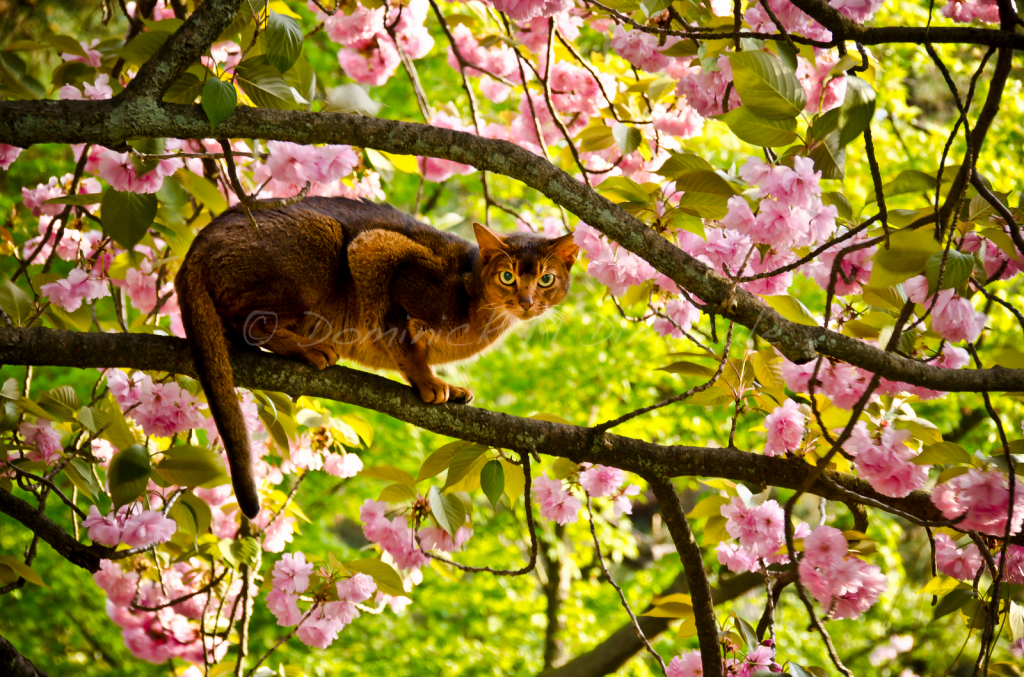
point(270, 372)
point(13, 664)
point(619, 647)
point(106, 122)
point(696, 578)
point(87, 557)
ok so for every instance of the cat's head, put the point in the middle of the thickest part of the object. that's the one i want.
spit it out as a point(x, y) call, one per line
point(523, 274)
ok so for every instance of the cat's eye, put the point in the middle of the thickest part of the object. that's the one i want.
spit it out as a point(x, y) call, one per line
point(506, 277)
point(546, 280)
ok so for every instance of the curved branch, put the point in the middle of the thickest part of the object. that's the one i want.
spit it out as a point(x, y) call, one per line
point(263, 371)
point(86, 556)
point(14, 664)
point(26, 122)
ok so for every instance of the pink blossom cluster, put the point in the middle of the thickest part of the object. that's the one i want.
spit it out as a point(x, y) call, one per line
point(97, 90)
point(46, 440)
point(759, 659)
point(680, 120)
point(966, 11)
point(885, 460)
point(35, 199)
point(858, 10)
point(135, 529)
point(93, 57)
point(641, 49)
point(793, 20)
point(534, 112)
point(790, 213)
point(8, 154)
point(171, 632)
point(163, 409)
point(884, 653)
point(760, 530)
point(525, 10)
point(604, 482)
point(953, 317)
point(982, 499)
point(824, 91)
point(849, 583)
point(394, 536)
point(680, 316)
point(575, 90)
point(320, 627)
point(370, 55)
point(499, 60)
point(555, 501)
point(290, 165)
point(856, 266)
point(119, 171)
point(960, 563)
point(534, 33)
point(786, 427)
point(79, 287)
point(995, 259)
point(704, 87)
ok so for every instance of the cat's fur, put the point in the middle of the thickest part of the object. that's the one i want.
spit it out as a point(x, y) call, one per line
point(331, 277)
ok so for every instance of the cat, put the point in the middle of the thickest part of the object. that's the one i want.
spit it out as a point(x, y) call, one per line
point(330, 278)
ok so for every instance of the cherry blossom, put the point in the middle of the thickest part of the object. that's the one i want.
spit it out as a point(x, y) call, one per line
point(600, 481)
point(952, 561)
point(79, 287)
point(524, 10)
point(8, 154)
point(785, 426)
point(147, 528)
point(556, 503)
point(983, 498)
point(47, 441)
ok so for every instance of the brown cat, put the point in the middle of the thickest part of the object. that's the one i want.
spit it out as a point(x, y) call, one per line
point(330, 277)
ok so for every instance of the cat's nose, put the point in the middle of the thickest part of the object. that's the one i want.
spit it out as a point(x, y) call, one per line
point(526, 302)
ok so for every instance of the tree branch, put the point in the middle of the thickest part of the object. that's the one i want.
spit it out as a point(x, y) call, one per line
point(85, 556)
point(23, 123)
point(615, 651)
point(262, 371)
point(696, 579)
point(13, 664)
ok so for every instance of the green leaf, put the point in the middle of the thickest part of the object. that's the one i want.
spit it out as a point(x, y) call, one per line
point(449, 511)
point(942, 452)
point(388, 580)
point(622, 189)
point(758, 130)
point(842, 205)
point(708, 507)
point(940, 585)
point(828, 154)
point(9, 418)
point(204, 191)
point(66, 44)
point(16, 303)
point(65, 396)
point(792, 309)
point(595, 137)
point(857, 110)
point(117, 433)
point(515, 481)
point(798, 671)
point(127, 217)
point(1015, 620)
point(952, 602)
point(23, 570)
point(440, 459)
point(689, 369)
point(80, 474)
point(462, 462)
point(185, 89)
point(682, 163)
point(242, 551)
point(959, 266)
point(680, 49)
point(283, 41)
point(906, 256)
point(128, 474)
point(143, 46)
point(80, 200)
point(198, 513)
point(387, 472)
point(396, 493)
point(767, 86)
point(705, 194)
point(189, 466)
point(908, 181)
point(492, 481)
point(11, 390)
point(219, 101)
point(1004, 669)
point(627, 138)
point(265, 85)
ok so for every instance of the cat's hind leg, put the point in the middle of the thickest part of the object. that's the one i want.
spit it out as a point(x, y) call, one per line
point(285, 342)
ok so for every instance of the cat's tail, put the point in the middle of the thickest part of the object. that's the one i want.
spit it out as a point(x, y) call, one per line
point(209, 347)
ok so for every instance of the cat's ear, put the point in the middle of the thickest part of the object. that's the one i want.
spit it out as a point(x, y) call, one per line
point(490, 242)
point(564, 248)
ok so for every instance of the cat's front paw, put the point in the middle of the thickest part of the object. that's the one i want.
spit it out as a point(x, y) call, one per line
point(319, 356)
point(436, 391)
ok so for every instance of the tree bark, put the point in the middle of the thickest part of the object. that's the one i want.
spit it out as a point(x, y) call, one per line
point(13, 664)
